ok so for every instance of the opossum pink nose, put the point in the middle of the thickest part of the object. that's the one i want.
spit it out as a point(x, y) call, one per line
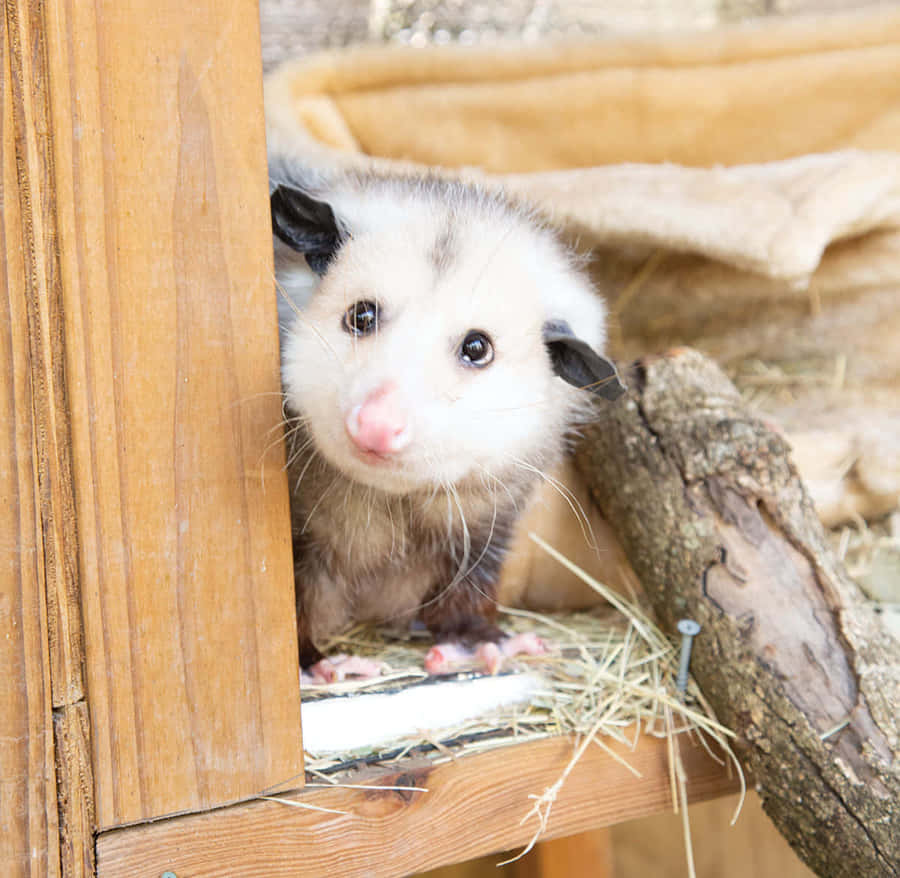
point(380, 423)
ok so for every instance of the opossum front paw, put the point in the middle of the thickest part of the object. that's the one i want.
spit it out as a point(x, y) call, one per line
point(445, 658)
point(339, 667)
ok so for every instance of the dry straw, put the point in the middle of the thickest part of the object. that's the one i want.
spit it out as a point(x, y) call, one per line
point(611, 675)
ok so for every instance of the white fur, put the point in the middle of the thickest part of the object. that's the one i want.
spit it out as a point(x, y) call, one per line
point(505, 276)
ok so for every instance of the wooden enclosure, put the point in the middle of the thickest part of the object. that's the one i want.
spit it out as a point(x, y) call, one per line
point(149, 649)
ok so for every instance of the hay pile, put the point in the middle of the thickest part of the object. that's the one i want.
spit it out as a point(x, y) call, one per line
point(611, 674)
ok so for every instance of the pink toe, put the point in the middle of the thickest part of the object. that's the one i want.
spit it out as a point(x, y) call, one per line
point(524, 644)
point(321, 673)
point(443, 658)
point(490, 657)
point(339, 667)
point(355, 666)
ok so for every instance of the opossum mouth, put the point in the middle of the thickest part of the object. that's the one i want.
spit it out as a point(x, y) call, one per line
point(373, 458)
point(388, 472)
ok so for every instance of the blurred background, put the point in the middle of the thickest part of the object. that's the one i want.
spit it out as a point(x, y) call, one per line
point(291, 27)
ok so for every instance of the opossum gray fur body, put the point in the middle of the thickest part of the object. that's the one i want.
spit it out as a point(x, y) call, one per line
point(426, 327)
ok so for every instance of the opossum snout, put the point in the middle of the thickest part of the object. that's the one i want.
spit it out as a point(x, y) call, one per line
point(380, 423)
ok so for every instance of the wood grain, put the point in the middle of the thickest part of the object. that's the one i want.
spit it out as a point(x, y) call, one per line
point(716, 521)
point(29, 824)
point(170, 381)
point(38, 549)
point(473, 806)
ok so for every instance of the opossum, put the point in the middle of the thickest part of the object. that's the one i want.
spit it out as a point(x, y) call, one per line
point(437, 344)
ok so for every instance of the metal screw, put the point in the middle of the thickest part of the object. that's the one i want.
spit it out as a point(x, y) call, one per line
point(168, 875)
point(689, 629)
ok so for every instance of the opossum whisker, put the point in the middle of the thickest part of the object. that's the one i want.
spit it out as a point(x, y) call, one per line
point(352, 525)
point(294, 423)
point(450, 493)
point(284, 437)
point(287, 419)
point(296, 452)
point(314, 456)
point(389, 507)
point(571, 500)
point(288, 437)
point(447, 490)
point(488, 262)
point(449, 517)
point(281, 437)
point(274, 443)
point(467, 538)
point(433, 491)
point(594, 384)
point(354, 339)
point(478, 590)
point(495, 478)
point(281, 291)
point(538, 403)
point(298, 313)
point(318, 502)
point(464, 576)
point(253, 396)
point(487, 545)
point(369, 503)
point(282, 423)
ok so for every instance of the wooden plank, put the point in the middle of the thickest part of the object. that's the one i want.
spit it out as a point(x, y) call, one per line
point(43, 690)
point(473, 806)
point(171, 366)
point(28, 826)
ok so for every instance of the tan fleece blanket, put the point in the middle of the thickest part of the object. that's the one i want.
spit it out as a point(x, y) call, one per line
point(738, 190)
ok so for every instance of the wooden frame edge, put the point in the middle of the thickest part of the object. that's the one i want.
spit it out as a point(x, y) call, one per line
point(474, 805)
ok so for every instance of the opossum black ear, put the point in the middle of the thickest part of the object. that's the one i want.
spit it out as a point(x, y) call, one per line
point(306, 225)
point(578, 363)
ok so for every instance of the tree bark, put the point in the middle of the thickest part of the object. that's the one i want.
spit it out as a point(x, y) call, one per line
point(719, 528)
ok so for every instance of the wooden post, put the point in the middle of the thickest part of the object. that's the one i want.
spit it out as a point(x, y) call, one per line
point(29, 824)
point(43, 716)
point(145, 548)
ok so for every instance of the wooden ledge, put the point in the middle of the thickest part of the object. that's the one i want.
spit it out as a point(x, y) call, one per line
point(473, 806)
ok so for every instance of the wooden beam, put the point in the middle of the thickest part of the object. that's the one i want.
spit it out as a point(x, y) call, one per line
point(473, 806)
point(150, 283)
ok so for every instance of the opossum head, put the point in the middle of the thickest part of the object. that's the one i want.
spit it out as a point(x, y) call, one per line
point(448, 337)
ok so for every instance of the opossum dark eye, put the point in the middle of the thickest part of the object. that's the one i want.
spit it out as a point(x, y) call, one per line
point(476, 349)
point(361, 318)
